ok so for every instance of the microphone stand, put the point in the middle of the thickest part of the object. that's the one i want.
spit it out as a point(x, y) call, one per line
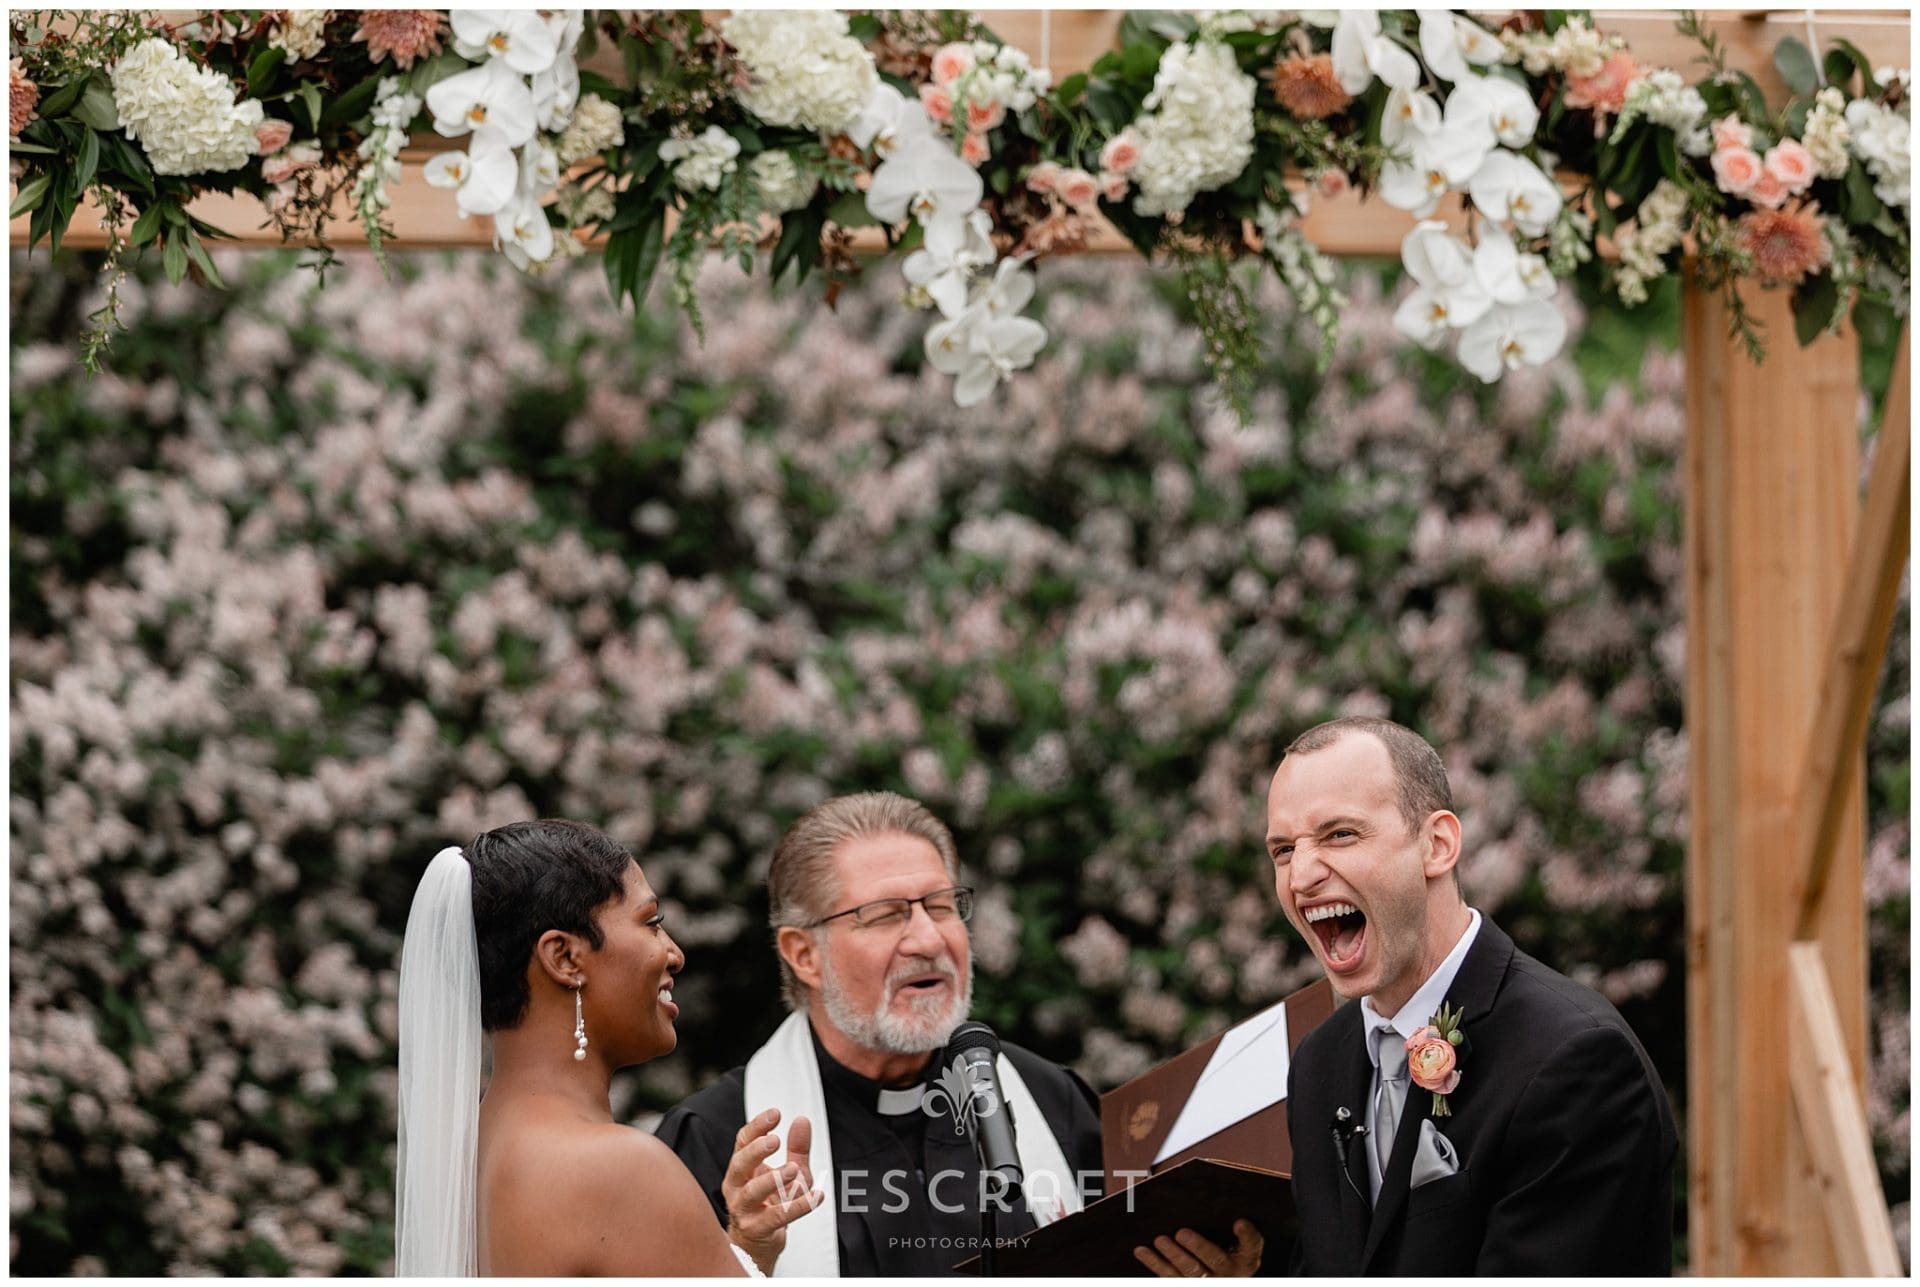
point(987, 1237)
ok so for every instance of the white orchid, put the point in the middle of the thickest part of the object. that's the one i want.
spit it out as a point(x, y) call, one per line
point(519, 38)
point(980, 349)
point(1512, 335)
point(1410, 114)
point(483, 181)
point(955, 250)
point(925, 178)
point(1503, 106)
point(1508, 276)
point(523, 233)
point(1448, 293)
point(539, 170)
point(491, 101)
point(1361, 52)
point(1011, 289)
point(888, 120)
point(556, 92)
point(1509, 186)
point(1449, 42)
point(1444, 159)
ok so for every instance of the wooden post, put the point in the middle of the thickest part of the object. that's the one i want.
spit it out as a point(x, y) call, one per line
point(1772, 499)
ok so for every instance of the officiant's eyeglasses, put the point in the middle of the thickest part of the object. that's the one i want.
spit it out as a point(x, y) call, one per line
point(892, 913)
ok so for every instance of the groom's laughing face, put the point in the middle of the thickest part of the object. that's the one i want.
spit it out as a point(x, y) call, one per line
point(1349, 871)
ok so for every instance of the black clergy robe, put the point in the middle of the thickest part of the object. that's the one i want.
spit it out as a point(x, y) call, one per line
point(895, 1167)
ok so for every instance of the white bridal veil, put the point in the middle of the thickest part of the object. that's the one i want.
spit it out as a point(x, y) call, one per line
point(440, 1054)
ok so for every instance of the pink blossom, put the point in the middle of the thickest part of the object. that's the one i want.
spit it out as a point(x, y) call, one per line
point(1114, 186)
point(271, 135)
point(1792, 164)
point(1605, 92)
point(1121, 153)
point(950, 63)
point(1331, 183)
point(938, 102)
point(1078, 189)
point(974, 150)
point(1768, 190)
point(22, 96)
point(982, 117)
point(1736, 169)
point(1731, 131)
point(1043, 178)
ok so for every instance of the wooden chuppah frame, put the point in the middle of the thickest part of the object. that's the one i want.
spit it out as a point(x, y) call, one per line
point(1783, 662)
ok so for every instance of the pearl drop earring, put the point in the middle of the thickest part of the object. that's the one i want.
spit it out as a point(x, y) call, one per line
point(579, 1023)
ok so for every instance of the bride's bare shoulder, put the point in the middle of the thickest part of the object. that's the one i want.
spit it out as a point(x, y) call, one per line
point(604, 1198)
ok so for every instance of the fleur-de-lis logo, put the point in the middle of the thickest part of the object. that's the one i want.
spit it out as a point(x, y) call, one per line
point(962, 1093)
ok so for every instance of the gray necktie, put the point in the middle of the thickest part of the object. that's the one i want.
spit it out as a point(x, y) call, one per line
point(1390, 1096)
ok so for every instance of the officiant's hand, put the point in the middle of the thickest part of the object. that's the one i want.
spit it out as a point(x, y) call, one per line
point(763, 1200)
point(1188, 1255)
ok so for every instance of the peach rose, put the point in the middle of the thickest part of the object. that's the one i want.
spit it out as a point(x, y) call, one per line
point(982, 117)
point(270, 136)
point(1121, 153)
point(1114, 186)
point(938, 102)
point(1078, 189)
point(1430, 1061)
point(1792, 163)
point(1606, 90)
point(1731, 131)
point(974, 150)
point(1736, 169)
point(950, 63)
point(1331, 183)
point(1769, 190)
point(1043, 178)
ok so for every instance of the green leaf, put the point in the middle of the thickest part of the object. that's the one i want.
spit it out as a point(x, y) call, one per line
point(310, 98)
point(748, 138)
point(1874, 319)
point(32, 192)
point(19, 148)
point(174, 259)
point(1862, 204)
point(1070, 89)
point(799, 234)
point(198, 253)
point(863, 27)
point(145, 227)
point(88, 161)
point(1871, 86)
point(653, 239)
point(849, 210)
point(261, 70)
point(1663, 143)
point(1796, 65)
point(351, 105)
point(96, 106)
point(1838, 66)
point(57, 103)
point(1814, 304)
point(131, 162)
point(1753, 102)
point(1796, 119)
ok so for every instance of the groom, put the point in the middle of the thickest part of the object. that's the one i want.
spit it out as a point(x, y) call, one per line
point(1539, 1143)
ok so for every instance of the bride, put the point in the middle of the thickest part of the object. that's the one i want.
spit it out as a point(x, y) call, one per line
point(547, 936)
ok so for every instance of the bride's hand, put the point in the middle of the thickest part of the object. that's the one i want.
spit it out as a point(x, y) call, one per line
point(762, 1201)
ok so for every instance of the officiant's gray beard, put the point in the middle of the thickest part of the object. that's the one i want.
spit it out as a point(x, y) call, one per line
point(926, 1025)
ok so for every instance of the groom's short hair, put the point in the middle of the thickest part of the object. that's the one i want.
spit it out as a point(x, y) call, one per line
point(1420, 779)
point(800, 879)
point(528, 878)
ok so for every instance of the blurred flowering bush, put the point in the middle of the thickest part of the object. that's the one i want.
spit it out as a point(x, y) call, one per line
point(313, 582)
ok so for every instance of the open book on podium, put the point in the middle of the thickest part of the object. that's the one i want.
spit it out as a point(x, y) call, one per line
point(1196, 1143)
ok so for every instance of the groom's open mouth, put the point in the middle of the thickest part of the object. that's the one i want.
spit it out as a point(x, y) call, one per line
point(1342, 931)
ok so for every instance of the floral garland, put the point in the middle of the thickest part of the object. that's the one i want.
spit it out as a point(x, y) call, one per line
point(1204, 136)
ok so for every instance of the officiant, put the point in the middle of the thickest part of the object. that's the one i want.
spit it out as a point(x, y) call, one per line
point(870, 922)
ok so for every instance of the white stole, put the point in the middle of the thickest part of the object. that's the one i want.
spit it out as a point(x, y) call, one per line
point(784, 1074)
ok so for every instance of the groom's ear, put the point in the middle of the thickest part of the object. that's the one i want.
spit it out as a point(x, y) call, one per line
point(558, 955)
point(1443, 843)
point(801, 952)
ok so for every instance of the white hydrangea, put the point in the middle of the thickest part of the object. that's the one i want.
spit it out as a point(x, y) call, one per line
point(1664, 98)
point(183, 116)
point(702, 162)
point(1661, 223)
point(782, 184)
point(302, 33)
point(1826, 134)
point(1883, 139)
point(595, 127)
point(807, 71)
point(1197, 132)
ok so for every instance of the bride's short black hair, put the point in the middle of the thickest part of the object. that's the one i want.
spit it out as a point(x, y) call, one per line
point(528, 878)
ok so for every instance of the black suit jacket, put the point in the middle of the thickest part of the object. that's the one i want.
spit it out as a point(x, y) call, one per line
point(1563, 1132)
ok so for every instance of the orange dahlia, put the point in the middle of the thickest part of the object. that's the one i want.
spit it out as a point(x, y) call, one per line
point(407, 34)
point(1786, 245)
point(1306, 86)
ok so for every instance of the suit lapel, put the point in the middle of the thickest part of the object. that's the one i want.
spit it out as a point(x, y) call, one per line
point(1355, 1081)
point(1475, 988)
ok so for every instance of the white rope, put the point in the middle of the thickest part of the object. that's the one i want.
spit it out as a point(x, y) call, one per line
point(1046, 38)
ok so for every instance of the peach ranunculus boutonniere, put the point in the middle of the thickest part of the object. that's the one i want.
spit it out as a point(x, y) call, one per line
point(1431, 1058)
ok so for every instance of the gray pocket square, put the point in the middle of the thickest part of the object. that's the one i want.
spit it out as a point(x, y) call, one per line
point(1435, 1159)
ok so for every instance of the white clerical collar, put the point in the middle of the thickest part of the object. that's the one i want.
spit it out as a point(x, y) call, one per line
point(1422, 1005)
point(898, 1103)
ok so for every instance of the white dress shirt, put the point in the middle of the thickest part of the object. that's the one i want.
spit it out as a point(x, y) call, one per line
point(1410, 1018)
